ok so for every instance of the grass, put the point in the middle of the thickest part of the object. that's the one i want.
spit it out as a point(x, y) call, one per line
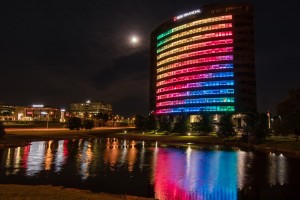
point(283, 142)
point(21, 192)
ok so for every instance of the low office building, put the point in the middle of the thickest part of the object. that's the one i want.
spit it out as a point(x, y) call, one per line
point(37, 113)
point(90, 109)
point(6, 112)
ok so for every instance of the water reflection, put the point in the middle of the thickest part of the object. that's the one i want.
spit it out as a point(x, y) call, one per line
point(85, 158)
point(144, 168)
point(195, 175)
point(278, 169)
point(61, 155)
point(35, 159)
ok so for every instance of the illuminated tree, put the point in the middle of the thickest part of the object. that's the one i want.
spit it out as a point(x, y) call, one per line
point(203, 124)
point(226, 127)
point(182, 124)
point(165, 123)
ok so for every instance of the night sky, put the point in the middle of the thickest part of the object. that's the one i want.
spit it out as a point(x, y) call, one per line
point(55, 52)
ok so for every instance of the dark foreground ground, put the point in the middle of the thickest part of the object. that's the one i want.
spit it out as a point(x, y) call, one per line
point(37, 192)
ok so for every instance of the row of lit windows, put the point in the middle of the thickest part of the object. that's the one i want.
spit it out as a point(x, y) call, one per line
point(196, 101)
point(196, 53)
point(197, 109)
point(195, 46)
point(195, 38)
point(193, 31)
point(195, 77)
point(196, 85)
point(195, 69)
point(195, 61)
point(195, 93)
point(195, 23)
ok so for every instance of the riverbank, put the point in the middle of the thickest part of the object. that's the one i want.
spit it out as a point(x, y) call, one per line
point(286, 145)
point(47, 192)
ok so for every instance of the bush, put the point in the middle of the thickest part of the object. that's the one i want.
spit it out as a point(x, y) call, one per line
point(74, 123)
point(88, 124)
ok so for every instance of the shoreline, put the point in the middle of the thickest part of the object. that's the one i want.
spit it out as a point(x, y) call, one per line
point(35, 192)
point(21, 137)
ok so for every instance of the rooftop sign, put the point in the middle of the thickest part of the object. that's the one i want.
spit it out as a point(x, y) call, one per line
point(187, 14)
point(37, 106)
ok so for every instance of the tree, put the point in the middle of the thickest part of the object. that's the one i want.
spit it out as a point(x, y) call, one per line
point(226, 127)
point(88, 124)
point(74, 123)
point(182, 124)
point(2, 130)
point(152, 123)
point(261, 129)
point(297, 133)
point(203, 124)
point(140, 122)
point(277, 126)
point(289, 111)
point(165, 123)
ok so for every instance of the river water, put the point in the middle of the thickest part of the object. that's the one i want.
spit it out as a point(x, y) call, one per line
point(152, 169)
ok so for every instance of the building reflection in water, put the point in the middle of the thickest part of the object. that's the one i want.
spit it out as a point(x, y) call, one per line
point(61, 155)
point(112, 152)
point(132, 153)
point(195, 174)
point(48, 156)
point(85, 158)
point(35, 159)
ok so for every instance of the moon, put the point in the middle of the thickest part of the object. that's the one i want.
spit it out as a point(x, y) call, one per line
point(134, 39)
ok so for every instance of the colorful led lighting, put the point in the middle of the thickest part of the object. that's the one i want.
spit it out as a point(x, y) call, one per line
point(196, 85)
point(195, 93)
point(195, 77)
point(195, 69)
point(195, 61)
point(196, 101)
point(195, 23)
point(194, 39)
point(196, 53)
point(194, 31)
point(195, 46)
point(197, 109)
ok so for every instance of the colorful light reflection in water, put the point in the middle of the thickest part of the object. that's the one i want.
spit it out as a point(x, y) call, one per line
point(195, 174)
point(146, 168)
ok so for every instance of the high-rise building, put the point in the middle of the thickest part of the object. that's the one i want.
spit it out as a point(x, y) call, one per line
point(203, 61)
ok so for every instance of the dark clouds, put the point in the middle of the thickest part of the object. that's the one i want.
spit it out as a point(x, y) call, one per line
point(56, 52)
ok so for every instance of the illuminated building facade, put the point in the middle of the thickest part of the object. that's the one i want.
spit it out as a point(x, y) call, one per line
point(89, 109)
point(203, 61)
point(6, 112)
point(29, 113)
point(37, 112)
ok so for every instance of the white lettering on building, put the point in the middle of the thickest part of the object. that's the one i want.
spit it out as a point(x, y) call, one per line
point(187, 14)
